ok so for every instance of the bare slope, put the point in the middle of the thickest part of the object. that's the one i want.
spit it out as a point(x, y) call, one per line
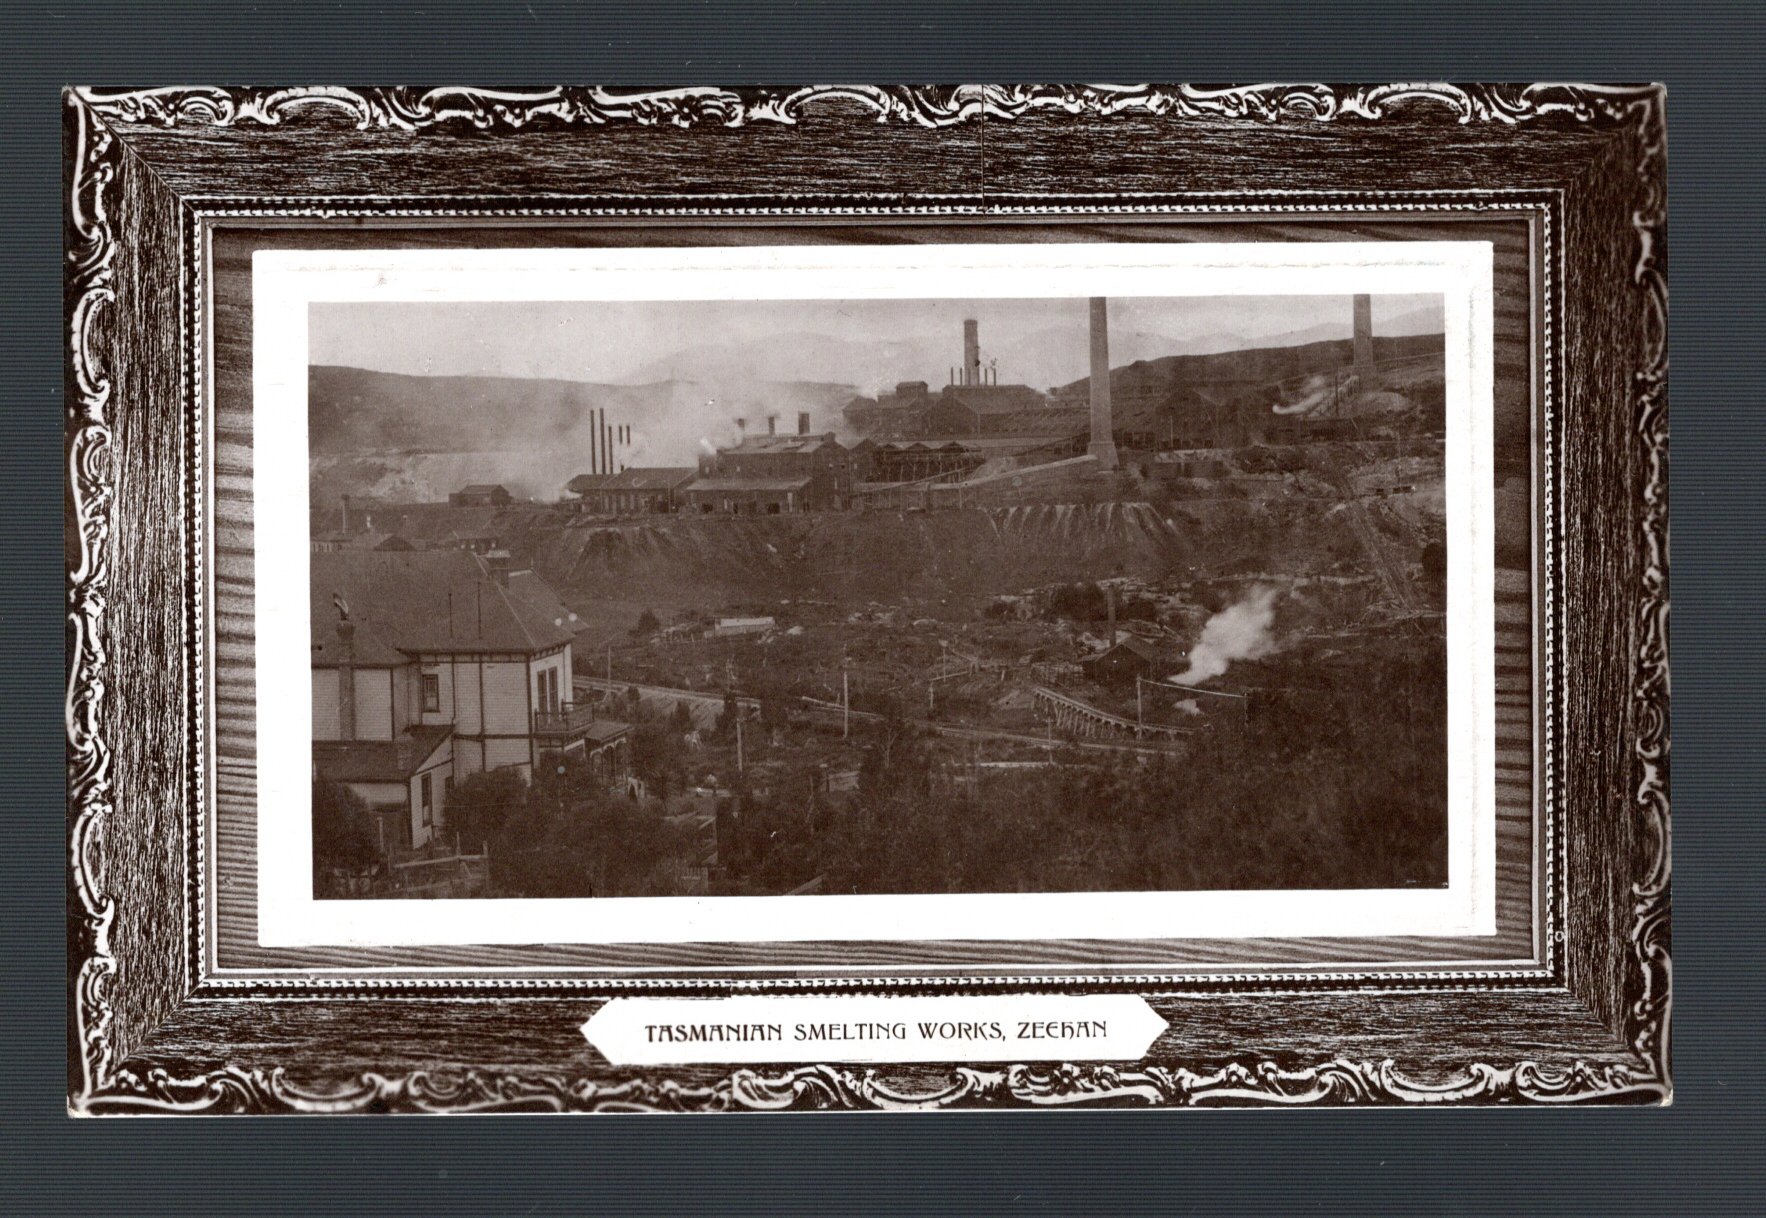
point(1251, 367)
point(952, 556)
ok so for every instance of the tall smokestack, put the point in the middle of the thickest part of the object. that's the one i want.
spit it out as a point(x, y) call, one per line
point(345, 526)
point(772, 425)
point(601, 432)
point(1364, 341)
point(594, 445)
point(803, 422)
point(607, 442)
point(971, 352)
point(1103, 438)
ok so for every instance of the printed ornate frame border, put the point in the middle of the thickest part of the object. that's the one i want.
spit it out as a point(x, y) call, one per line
point(1619, 135)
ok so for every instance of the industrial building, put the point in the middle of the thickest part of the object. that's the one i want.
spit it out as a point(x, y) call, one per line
point(897, 461)
point(634, 491)
point(773, 473)
point(481, 494)
point(973, 403)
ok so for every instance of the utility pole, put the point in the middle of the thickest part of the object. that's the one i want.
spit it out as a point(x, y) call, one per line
point(1140, 714)
point(845, 707)
point(610, 663)
point(739, 766)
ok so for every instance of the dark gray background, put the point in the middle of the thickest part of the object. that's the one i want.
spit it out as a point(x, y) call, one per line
point(1698, 1157)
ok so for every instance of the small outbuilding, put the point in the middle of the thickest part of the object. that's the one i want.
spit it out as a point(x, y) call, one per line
point(481, 494)
point(1122, 662)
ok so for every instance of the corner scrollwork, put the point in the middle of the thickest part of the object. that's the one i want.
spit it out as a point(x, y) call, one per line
point(101, 1083)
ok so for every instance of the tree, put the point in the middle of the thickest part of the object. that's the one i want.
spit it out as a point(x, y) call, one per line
point(482, 804)
point(775, 701)
point(658, 756)
point(726, 718)
point(647, 625)
point(343, 835)
point(568, 844)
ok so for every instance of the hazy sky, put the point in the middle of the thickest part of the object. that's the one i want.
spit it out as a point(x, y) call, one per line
point(624, 342)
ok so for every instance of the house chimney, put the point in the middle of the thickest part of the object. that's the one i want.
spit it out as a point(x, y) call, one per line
point(772, 425)
point(497, 562)
point(1103, 439)
point(1364, 342)
point(346, 681)
point(803, 422)
point(971, 352)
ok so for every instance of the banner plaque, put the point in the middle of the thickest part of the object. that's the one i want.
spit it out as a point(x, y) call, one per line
point(1010, 1027)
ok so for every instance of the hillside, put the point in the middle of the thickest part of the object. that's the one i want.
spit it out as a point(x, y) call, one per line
point(353, 410)
point(950, 560)
point(1255, 366)
point(398, 437)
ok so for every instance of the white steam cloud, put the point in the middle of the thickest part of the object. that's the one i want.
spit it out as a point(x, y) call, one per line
point(1239, 632)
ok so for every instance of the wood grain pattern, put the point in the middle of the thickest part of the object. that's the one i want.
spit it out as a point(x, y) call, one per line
point(149, 1030)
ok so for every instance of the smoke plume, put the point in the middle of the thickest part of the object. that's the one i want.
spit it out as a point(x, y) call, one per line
point(1239, 632)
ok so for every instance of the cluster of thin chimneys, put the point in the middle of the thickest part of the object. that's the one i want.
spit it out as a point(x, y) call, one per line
point(605, 441)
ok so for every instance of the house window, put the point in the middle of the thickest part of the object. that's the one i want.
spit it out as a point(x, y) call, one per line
point(428, 796)
point(545, 685)
point(431, 693)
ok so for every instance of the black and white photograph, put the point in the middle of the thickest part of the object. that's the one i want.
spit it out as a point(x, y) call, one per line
point(878, 596)
point(658, 641)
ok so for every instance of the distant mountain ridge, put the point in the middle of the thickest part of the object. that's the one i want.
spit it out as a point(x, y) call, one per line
point(1041, 358)
point(355, 410)
point(1252, 367)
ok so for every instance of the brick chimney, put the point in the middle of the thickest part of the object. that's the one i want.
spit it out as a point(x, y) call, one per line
point(497, 563)
point(803, 422)
point(1364, 342)
point(1103, 427)
point(772, 425)
point(971, 352)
